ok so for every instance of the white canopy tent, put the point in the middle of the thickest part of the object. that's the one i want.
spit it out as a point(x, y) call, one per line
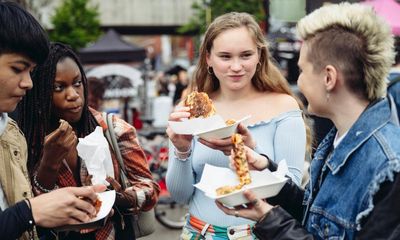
point(125, 71)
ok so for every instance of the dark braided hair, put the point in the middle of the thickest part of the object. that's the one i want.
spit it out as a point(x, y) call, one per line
point(36, 116)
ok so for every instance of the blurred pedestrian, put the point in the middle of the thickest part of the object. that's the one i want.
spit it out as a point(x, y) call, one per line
point(191, 82)
point(394, 72)
point(96, 90)
point(180, 85)
point(394, 78)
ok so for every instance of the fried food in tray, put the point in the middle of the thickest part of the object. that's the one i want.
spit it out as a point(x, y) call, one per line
point(96, 204)
point(241, 166)
point(240, 159)
point(200, 105)
point(227, 189)
point(230, 122)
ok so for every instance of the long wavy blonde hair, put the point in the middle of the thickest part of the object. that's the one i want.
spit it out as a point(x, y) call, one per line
point(267, 76)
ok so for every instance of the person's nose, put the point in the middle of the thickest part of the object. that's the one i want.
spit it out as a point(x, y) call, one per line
point(236, 65)
point(72, 94)
point(26, 82)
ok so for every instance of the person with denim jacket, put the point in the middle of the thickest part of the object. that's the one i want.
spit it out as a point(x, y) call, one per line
point(354, 184)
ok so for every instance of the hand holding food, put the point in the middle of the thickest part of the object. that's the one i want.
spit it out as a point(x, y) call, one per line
point(255, 210)
point(58, 144)
point(196, 104)
point(246, 135)
point(65, 206)
point(200, 105)
point(96, 204)
point(241, 166)
point(255, 161)
point(181, 142)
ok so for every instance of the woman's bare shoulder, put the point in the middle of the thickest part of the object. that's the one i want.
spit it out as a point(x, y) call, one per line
point(283, 102)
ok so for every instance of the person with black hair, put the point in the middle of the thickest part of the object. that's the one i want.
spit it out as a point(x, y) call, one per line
point(96, 90)
point(394, 78)
point(60, 92)
point(23, 44)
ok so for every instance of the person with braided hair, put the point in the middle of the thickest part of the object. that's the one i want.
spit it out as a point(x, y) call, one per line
point(23, 44)
point(60, 92)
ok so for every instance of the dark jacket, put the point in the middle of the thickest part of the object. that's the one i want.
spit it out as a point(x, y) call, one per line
point(382, 223)
point(14, 221)
point(352, 187)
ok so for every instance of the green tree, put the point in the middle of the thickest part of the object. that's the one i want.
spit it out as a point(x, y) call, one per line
point(206, 10)
point(75, 23)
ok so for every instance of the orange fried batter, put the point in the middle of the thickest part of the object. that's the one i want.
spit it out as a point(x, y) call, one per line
point(200, 105)
point(241, 165)
point(230, 122)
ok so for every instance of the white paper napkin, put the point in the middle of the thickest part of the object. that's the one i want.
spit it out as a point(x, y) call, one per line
point(94, 151)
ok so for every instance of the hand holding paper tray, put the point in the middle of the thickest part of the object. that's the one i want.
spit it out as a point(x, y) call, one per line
point(207, 128)
point(107, 201)
point(264, 183)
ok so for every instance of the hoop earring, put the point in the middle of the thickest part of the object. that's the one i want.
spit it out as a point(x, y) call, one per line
point(210, 70)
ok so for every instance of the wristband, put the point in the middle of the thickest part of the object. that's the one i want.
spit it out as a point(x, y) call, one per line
point(31, 222)
point(183, 156)
point(40, 187)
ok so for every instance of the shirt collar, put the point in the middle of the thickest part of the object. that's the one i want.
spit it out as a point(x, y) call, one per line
point(373, 118)
point(3, 122)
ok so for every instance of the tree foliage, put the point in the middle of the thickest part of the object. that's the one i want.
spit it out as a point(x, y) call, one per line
point(75, 23)
point(215, 8)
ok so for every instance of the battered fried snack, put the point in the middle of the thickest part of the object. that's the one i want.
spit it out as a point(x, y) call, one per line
point(241, 165)
point(230, 122)
point(227, 189)
point(200, 105)
point(62, 121)
point(96, 204)
point(242, 168)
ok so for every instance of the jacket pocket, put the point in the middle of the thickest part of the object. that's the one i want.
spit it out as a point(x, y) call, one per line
point(326, 229)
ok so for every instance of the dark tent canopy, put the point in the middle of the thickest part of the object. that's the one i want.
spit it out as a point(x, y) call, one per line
point(111, 48)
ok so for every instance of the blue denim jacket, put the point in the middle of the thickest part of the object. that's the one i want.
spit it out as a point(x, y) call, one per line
point(366, 157)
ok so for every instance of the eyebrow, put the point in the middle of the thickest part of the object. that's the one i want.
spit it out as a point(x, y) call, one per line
point(245, 51)
point(23, 62)
point(76, 77)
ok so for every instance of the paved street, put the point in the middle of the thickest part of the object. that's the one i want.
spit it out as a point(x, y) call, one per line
point(163, 233)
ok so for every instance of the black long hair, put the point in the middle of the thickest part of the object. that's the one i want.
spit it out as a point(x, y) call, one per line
point(36, 110)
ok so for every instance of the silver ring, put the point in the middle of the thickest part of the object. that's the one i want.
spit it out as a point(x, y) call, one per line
point(236, 213)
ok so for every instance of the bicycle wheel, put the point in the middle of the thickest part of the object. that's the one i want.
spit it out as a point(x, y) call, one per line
point(171, 214)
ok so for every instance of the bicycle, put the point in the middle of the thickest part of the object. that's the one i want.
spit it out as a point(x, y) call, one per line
point(155, 145)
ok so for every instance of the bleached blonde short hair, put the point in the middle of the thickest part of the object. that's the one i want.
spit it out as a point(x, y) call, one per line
point(353, 39)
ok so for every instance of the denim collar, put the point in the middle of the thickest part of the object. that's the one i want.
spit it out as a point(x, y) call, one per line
point(371, 120)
